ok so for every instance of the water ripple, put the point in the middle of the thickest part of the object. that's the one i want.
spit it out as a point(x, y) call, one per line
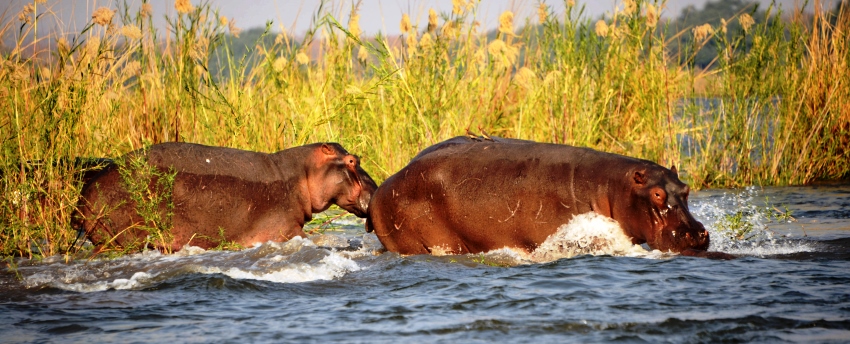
point(785, 287)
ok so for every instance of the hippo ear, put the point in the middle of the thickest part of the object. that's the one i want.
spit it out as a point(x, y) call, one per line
point(327, 149)
point(640, 179)
point(675, 171)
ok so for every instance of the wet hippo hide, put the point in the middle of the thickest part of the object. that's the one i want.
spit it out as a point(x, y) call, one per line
point(250, 197)
point(470, 195)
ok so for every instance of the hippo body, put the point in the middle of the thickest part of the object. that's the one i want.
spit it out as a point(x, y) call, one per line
point(250, 197)
point(471, 195)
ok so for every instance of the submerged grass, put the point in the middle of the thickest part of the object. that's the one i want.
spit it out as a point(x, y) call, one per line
point(775, 113)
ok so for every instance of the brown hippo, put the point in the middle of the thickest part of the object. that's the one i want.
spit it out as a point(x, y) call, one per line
point(471, 195)
point(250, 197)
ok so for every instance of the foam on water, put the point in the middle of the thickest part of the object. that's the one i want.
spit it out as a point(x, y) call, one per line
point(760, 241)
point(330, 267)
point(585, 234)
point(588, 233)
point(594, 234)
point(332, 255)
point(294, 261)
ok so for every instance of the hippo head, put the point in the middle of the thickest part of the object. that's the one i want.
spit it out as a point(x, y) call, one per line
point(659, 212)
point(337, 178)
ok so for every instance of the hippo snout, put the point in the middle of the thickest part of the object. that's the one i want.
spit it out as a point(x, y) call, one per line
point(703, 242)
point(360, 205)
point(700, 241)
point(363, 204)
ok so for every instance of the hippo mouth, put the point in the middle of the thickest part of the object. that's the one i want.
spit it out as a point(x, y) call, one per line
point(698, 243)
point(358, 207)
point(702, 240)
point(682, 240)
point(678, 231)
point(357, 212)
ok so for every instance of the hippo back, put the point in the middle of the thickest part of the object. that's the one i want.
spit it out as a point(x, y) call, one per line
point(468, 196)
point(214, 194)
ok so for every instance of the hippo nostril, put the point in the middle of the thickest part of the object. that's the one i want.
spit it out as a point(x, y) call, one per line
point(703, 238)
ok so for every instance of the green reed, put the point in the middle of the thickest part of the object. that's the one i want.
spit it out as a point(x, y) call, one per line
point(773, 111)
point(151, 193)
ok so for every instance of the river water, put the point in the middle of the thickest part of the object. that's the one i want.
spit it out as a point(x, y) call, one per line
point(791, 283)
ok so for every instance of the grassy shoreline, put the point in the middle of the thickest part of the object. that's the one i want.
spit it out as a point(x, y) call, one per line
point(778, 115)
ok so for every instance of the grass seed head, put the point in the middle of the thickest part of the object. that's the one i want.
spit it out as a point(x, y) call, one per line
point(279, 64)
point(405, 24)
point(506, 23)
point(411, 45)
point(746, 21)
point(432, 20)
point(147, 10)
point(458, 6)
point(234, 31)
point(131, 32)
point(629, 7)
point(102, 16)
point(354, 24)
point(302, 58)
point(426, 42)
point(541, 13)
point(62, 46)
point(526, 78)
point(24, 16)
point(601, 28)
point(702, 31)
point(450, 29)
point(504, 55)
point(362, 54)
point(183, 6)
point(651, 16)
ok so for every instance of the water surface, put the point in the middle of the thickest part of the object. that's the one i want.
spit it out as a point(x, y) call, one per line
point(790, 284)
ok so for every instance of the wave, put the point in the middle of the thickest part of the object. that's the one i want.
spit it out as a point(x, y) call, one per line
point(760, 240)
point(297, 260)
point(332, 255)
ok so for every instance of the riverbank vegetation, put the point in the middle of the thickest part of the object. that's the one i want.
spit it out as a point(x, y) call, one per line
point(770, 107)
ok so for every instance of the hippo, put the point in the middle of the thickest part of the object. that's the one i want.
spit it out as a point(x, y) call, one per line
point(477, 194)
point(216, 195)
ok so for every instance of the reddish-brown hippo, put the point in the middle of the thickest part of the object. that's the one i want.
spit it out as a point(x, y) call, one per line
point(249, 197)
point(471, 195)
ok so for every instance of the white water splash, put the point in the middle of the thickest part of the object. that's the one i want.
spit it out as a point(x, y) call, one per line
point(330, 267)
point(68, 281)
point(588, 233)
point(759, 241)
point(294, 261)
point(370, 245)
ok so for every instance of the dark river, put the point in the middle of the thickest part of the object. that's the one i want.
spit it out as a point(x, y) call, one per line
point(790, 284)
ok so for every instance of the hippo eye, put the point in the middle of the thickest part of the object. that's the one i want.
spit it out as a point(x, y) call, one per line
point(658, 196)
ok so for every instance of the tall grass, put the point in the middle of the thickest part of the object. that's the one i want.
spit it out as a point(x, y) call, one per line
point(774, 113)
